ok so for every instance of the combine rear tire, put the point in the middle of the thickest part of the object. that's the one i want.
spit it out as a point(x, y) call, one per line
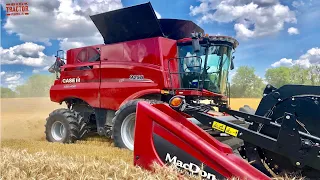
point(124, 122)
point(65, 126)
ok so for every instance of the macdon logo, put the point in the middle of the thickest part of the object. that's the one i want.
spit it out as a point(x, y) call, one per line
point(71, 80)
point(191, 167)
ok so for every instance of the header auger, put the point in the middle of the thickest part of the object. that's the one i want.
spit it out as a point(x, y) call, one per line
point(143, 89)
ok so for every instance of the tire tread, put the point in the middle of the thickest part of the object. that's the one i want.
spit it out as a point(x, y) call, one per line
point(77, 130)
point(116, 136)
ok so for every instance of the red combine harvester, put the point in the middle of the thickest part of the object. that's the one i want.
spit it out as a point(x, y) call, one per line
point(140, 61)
point(143, 87)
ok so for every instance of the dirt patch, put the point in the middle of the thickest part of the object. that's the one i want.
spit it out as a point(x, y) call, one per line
point(24, 118)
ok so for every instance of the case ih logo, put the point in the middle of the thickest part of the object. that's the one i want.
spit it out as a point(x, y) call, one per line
point(71, 80)
point(16, 9)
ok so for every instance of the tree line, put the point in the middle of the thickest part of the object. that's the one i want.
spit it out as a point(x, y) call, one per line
point(37, 85)
point(244, 84)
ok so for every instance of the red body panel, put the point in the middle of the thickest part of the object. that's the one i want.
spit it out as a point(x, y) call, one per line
point(108, 84)
point(87, 89)
point(163, 121)
point(73, 53)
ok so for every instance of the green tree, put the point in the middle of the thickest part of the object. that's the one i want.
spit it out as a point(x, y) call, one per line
point(293, 75)
point(7, 93)
point(314, 74)
point(278, 76)
point(299, 75)
point(246, 83)
point(37, 85)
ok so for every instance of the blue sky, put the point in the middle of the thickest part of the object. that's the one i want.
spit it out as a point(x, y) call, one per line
point(271, 33)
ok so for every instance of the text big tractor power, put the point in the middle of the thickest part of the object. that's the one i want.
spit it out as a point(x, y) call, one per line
point(143, 87)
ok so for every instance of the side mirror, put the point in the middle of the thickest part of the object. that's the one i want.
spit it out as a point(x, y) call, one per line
point(232, 63)
point(195, 44)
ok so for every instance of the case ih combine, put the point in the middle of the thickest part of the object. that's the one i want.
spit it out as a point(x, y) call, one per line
point(143, 88)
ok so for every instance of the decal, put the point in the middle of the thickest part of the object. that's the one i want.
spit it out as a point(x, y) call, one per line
point(164, 92)
point(168, 152)
point(193, 169)
point(223, 128)
point(232, 131)
point(218, 126)
point(71, 80)
point(70, 86)
point(136, 77)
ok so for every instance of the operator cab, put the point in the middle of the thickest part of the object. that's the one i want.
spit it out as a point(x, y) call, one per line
point(205, 62)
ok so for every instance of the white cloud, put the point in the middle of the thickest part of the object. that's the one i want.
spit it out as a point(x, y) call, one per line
point(56, 19)
point(158, 15)
point(66, 44)
point(69, 43)
point(252, 18)
point(14, 77)
point(28, 53)
point(243, 31)
point(35, 71)
point(311, 57)
point(2, 73)
point(11, 79)
point(293, 30)
point(297, 4)
point(283, 62)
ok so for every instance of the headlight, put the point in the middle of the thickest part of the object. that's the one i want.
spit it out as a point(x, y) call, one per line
point(178, 103)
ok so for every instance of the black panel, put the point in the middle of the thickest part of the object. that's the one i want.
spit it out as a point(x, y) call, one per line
point(170, 152)
point(282, 93)
point(178, 29)
point(140, 22)
point(135, 22)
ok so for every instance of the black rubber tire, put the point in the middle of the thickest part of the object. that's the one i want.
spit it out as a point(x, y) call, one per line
point(124, 111)
point(76, 128)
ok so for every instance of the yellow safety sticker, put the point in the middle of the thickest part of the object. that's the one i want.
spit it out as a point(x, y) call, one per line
point(231, 131)
point(164, 92)
point(218, 126)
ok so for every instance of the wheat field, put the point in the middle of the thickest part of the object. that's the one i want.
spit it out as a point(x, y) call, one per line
point(26, 155)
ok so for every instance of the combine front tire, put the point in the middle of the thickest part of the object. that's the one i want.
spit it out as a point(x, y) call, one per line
point(65, 126)
point(124, 123)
